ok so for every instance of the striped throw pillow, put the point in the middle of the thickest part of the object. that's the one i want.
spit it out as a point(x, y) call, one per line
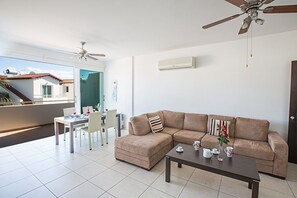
point(213, 128)
point(156, 124)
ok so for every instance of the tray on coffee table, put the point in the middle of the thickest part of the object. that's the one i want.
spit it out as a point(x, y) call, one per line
point(237, 167)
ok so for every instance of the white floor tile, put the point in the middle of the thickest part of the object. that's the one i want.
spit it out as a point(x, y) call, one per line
point(108, 161)
point(52, 173)
point(223, 195)
point(43, 165)
point(34, 159)
point(90, 170)
point(7, 159)
point(235, 187)
point(173, 188)
point(124, 168)
point(107, 179)
point(293, 187)
point(185, 172)
point(38, 193)
point(86, 189)
point(145, 176)
point(65, 183)
point(10, 166)
point(151, 192)
point(206, 178)
point(199, 191)
point(106, 195)
point(13, 176)
point(265, 192)
point(77, 163)
point(128, 188)
point(20, 187)
point(275, 184)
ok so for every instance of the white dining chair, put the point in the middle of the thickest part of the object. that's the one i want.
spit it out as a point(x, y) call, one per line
point(86, 109)
point(67, 112)
point(110, 122)
point(94, 126)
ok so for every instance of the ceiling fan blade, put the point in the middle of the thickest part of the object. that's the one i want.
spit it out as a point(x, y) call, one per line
point(221, 21)
point(91, 57)
point(238, 3)
point(281, 9)
point(246, 25)
point(266, 1)
point(103, 55)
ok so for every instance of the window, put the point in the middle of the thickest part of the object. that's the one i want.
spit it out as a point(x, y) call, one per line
point(67, 89)
point(46, 91)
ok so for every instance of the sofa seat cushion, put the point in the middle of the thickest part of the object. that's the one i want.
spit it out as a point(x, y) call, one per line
point(147, 145)
point(187, 137)
point(174, 119)
point(252, 129)
point(255, 149)
point(169, 130)
point(210, 141)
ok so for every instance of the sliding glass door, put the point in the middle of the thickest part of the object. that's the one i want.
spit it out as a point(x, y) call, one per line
point(91, 89)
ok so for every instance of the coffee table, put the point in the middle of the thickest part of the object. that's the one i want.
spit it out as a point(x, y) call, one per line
point(237, 167)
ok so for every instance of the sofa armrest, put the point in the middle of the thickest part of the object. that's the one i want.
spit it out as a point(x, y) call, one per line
point(280, 149)
point(130, 129)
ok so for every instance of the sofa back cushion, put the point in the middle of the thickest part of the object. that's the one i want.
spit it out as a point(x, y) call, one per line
point(174, 119)
point(224, 118)
point(195, 122)
point(140, 125)
point(159, 113)
point(252, 129)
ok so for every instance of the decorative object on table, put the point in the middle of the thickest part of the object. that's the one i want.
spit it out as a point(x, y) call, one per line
point(223, 137)
point(207, 153)
point(215, 151)
point(179, 149)
point(229, 150)
point(197, 145)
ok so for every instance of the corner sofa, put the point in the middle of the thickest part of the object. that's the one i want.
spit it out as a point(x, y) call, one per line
point(249, 137)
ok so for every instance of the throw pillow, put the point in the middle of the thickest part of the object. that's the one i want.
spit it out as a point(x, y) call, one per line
point(213, 128)
point(156, 124)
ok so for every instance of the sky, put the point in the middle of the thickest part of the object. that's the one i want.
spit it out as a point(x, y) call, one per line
point(25, 67)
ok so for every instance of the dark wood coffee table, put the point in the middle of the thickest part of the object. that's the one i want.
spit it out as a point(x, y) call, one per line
point(237, 167)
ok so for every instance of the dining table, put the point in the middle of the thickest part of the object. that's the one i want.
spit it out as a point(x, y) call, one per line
point(74, 120)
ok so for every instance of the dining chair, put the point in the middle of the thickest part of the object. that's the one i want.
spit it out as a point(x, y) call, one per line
point(110, 122)
point(94, 125)
point(68, 112)
point(87, 109)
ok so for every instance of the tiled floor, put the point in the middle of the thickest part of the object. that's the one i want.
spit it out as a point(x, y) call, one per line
point(42, 169)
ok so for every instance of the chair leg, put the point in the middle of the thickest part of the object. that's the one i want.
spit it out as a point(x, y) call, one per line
point(80, 138)
point(101, 138)
point(106, 131)
point(90, 141)
point(64, 133)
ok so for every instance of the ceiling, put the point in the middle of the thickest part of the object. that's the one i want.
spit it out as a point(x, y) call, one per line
point(128, 27)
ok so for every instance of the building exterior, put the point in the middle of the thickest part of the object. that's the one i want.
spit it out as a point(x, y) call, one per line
point(39, 88)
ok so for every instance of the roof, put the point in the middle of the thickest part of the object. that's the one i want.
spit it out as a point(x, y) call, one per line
point(67, 81)
point(3, 77)
point(32, 76)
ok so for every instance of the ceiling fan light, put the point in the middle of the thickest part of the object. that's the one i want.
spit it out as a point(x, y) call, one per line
point(244, 25)
point(259, 21)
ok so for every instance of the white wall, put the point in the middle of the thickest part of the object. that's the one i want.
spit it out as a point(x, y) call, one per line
point(120, 71)
point(24, 86)
point(221, 83)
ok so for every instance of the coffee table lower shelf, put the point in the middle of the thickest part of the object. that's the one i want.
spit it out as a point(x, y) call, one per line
point(238, 167)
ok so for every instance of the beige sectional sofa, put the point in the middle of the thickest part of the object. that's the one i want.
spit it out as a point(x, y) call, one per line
point(249, 137)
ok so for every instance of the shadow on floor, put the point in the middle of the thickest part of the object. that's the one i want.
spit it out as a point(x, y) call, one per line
point(26, 135)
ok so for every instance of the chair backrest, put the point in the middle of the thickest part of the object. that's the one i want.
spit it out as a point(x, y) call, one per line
point(94, 121)
point(85, 109)
point(68, 111)
point(111, 118)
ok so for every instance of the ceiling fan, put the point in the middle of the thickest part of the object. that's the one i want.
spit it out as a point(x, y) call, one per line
point(83, 54)
point(251, 8)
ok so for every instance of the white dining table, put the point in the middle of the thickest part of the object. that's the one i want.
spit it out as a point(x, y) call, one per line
point(71, 121)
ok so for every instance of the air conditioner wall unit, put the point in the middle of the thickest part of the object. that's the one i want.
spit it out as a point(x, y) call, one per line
point(177, 63)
